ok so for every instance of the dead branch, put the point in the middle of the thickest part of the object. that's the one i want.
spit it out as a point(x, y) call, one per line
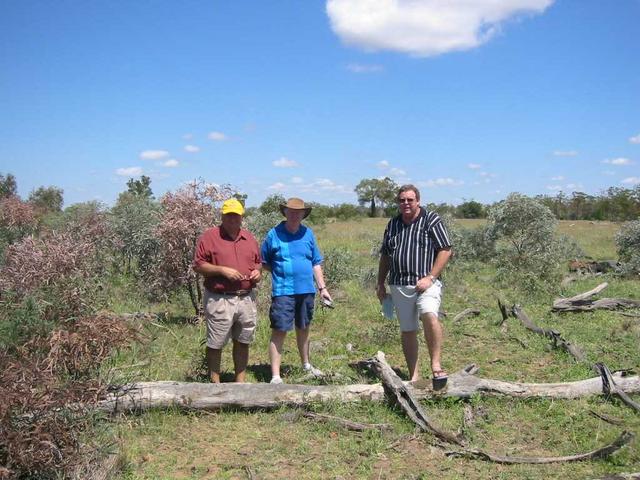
point(607, 418)
point(348, 424)
point(584, 303)
point(609, 386)
point(602, 452)
point(557, 339)
point(466, 313)
point(621, 476)
point(403, 394)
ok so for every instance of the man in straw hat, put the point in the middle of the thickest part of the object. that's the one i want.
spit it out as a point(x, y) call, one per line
point(291, 253)
point(228, 257)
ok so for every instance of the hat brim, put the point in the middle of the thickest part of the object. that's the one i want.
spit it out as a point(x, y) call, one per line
point(307, 210)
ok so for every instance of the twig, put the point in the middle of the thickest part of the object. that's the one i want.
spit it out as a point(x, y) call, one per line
point(348, 424)
point(466, 313)
point(606, 418)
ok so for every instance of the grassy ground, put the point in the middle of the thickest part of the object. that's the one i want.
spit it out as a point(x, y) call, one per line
point(161, 444)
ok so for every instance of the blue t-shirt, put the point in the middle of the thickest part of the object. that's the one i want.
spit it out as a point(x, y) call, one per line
point(291, 258)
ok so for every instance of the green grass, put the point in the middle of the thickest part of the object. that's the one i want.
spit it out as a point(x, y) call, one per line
point(174, 444)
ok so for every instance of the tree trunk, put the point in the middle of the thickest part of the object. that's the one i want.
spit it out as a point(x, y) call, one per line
point(206, 396)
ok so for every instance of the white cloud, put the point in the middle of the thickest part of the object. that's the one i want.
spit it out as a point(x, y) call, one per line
point(631, 181)
point(397, 171)
point(474, 166)
point(618, 161)
point(129, 172)
point(172, 162)
point(217, 136)
point(153, 154)
point(424, 28)
point(383, 164)
point(565, 153)
point(362, 68)
point(559, 178)
point(297, 180)
point(276, 186)
point(554, 188)
point(284, 162)
point(191, 148)
point(635, 139)
point(442, 182)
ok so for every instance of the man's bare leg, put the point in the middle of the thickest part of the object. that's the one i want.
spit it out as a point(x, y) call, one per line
point(410, 350)
point(240, 360)
point(302, 339)
point(214, 356)
point(275, 350)
point(433, 337)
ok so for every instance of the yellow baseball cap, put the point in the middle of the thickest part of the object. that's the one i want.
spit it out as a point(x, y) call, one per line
point(232, 206)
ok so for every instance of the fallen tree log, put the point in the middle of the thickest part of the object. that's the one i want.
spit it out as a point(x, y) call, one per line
point(208, 396)
point(584, 303)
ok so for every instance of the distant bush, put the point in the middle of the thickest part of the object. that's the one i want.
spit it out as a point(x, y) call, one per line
point(17, 220)
point(348, 211)
point(260, 223)
point(628, 242)
point(528, 251)
point(339, 266)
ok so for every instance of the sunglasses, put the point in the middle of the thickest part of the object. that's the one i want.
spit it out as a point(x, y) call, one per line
point(406, 200)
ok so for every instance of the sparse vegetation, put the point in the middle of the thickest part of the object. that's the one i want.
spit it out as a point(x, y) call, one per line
point(57, 349)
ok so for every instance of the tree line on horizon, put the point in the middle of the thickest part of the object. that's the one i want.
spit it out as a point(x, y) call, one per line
point(376, 198)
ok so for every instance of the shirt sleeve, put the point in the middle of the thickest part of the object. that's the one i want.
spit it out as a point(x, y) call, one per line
point(316, 256)
point(265, 251)
point(439, 234)
point(384, 248)
point(201, 254)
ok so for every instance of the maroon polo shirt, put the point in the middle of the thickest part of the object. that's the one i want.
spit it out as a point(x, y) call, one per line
point(217, 248)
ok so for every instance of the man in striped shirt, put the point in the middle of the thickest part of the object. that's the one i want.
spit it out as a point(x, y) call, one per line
point(415, 250)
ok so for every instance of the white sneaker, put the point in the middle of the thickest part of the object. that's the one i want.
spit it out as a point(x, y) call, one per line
point(276, 381)
point(316, 372)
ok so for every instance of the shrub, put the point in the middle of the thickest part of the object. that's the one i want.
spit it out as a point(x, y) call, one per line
point(528, 251)
point(17, 220)
point(628, 242)
point(133, 220)
point(260, 223)
point(184, 215)
point(339, 266)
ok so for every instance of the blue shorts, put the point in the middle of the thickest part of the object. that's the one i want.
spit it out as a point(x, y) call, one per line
point(287, 308)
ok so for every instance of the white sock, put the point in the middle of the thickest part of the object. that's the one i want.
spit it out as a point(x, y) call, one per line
point(306, 366)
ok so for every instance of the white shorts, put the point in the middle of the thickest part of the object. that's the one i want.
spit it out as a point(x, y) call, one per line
point(410, 305)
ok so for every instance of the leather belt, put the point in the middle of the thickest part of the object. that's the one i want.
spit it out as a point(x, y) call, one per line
point(237, 293)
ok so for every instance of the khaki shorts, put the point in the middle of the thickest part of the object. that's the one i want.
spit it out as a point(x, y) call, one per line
point(229, 316)
point(410, 305)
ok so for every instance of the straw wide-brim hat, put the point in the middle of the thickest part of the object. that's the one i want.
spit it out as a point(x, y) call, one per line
point(295, 204)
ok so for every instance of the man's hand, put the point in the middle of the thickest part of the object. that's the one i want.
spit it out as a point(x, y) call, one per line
point(232, 274)
point(324, 293)
point(424, 283)
point(255, 276)
point(381, 291)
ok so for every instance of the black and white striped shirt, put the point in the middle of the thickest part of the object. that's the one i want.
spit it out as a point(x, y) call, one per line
point(413, 248)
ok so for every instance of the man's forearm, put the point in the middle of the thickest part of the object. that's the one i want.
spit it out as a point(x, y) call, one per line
point(383, 268)
point(440, 262)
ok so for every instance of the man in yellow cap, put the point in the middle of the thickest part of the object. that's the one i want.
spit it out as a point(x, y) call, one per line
point(228, 257)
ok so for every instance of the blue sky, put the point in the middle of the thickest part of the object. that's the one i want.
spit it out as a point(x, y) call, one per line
point(467, 100)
